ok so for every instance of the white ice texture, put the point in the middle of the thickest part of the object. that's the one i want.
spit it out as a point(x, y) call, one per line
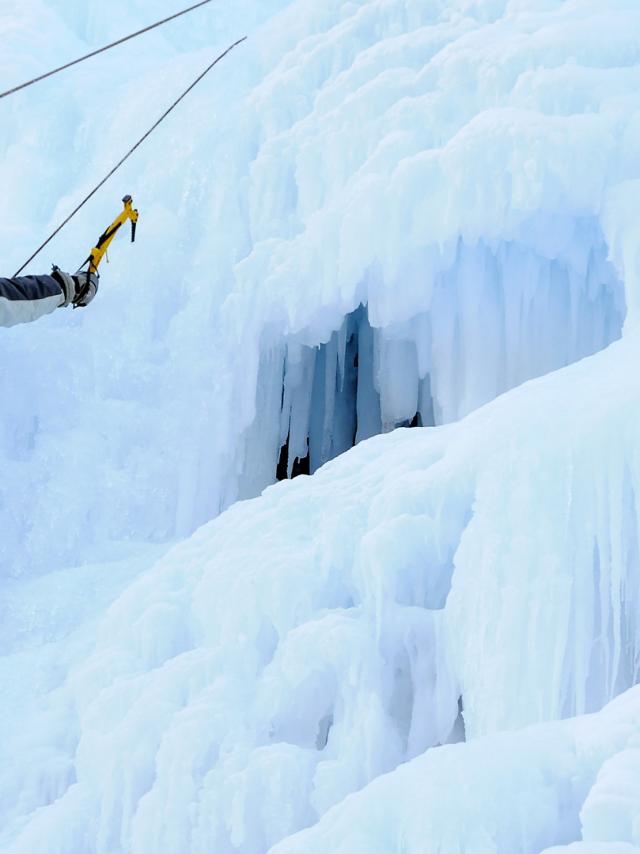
point(375, 214)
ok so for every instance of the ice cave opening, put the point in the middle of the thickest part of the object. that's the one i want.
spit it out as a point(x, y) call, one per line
point(501, 313)
point(344, 400)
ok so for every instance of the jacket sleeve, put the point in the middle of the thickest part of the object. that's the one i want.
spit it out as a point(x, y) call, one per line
point(27, 298)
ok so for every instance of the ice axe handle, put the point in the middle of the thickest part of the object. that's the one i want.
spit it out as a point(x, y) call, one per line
point(133, 231)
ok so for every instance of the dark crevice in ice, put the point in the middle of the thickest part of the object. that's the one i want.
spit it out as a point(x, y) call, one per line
point(324, 728)
point(299, 465)
point(344, 402)
point(499, 315)
point(458, 732)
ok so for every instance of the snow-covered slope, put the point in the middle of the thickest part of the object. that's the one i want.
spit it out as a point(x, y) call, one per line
point(377, 213)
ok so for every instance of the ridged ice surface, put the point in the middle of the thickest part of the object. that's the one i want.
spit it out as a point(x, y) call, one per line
point(458, 167)
point(375, 214)
point(307, 641)
point(460, 799)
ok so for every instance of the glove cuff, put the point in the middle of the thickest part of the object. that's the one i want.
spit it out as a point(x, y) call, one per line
point(67, 284)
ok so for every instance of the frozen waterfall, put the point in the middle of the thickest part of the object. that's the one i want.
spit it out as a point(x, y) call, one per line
point(380, 214)
point(494, 319)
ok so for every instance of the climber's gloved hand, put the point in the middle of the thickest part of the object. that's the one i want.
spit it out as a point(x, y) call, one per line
point(78, 289)
point(86, 288)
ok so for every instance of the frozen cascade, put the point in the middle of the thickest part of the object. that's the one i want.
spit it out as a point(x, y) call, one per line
point(350, 156)
point(460, 800)
point(310, 640)
point(499, 315)
point(453, 187)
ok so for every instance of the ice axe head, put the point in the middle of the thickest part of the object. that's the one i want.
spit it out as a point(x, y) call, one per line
point(133, 215)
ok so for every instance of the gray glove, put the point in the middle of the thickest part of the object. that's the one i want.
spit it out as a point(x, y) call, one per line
point(86, 288)
point(78, 289)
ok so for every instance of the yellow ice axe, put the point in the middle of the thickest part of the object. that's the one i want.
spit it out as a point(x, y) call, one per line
point(98, 251)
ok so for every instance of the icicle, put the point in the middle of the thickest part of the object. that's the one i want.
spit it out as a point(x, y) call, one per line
point(398, 383)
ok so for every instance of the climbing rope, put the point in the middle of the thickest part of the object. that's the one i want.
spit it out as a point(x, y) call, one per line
point(103, 49)
point(130, 152)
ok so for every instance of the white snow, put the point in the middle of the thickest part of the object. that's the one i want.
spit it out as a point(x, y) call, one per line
point(373, 213)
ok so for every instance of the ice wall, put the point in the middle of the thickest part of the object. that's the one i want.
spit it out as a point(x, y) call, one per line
point(468, 172)
point(462, 799)
point(425, 587)
point(495, 318)
point(458, 168)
